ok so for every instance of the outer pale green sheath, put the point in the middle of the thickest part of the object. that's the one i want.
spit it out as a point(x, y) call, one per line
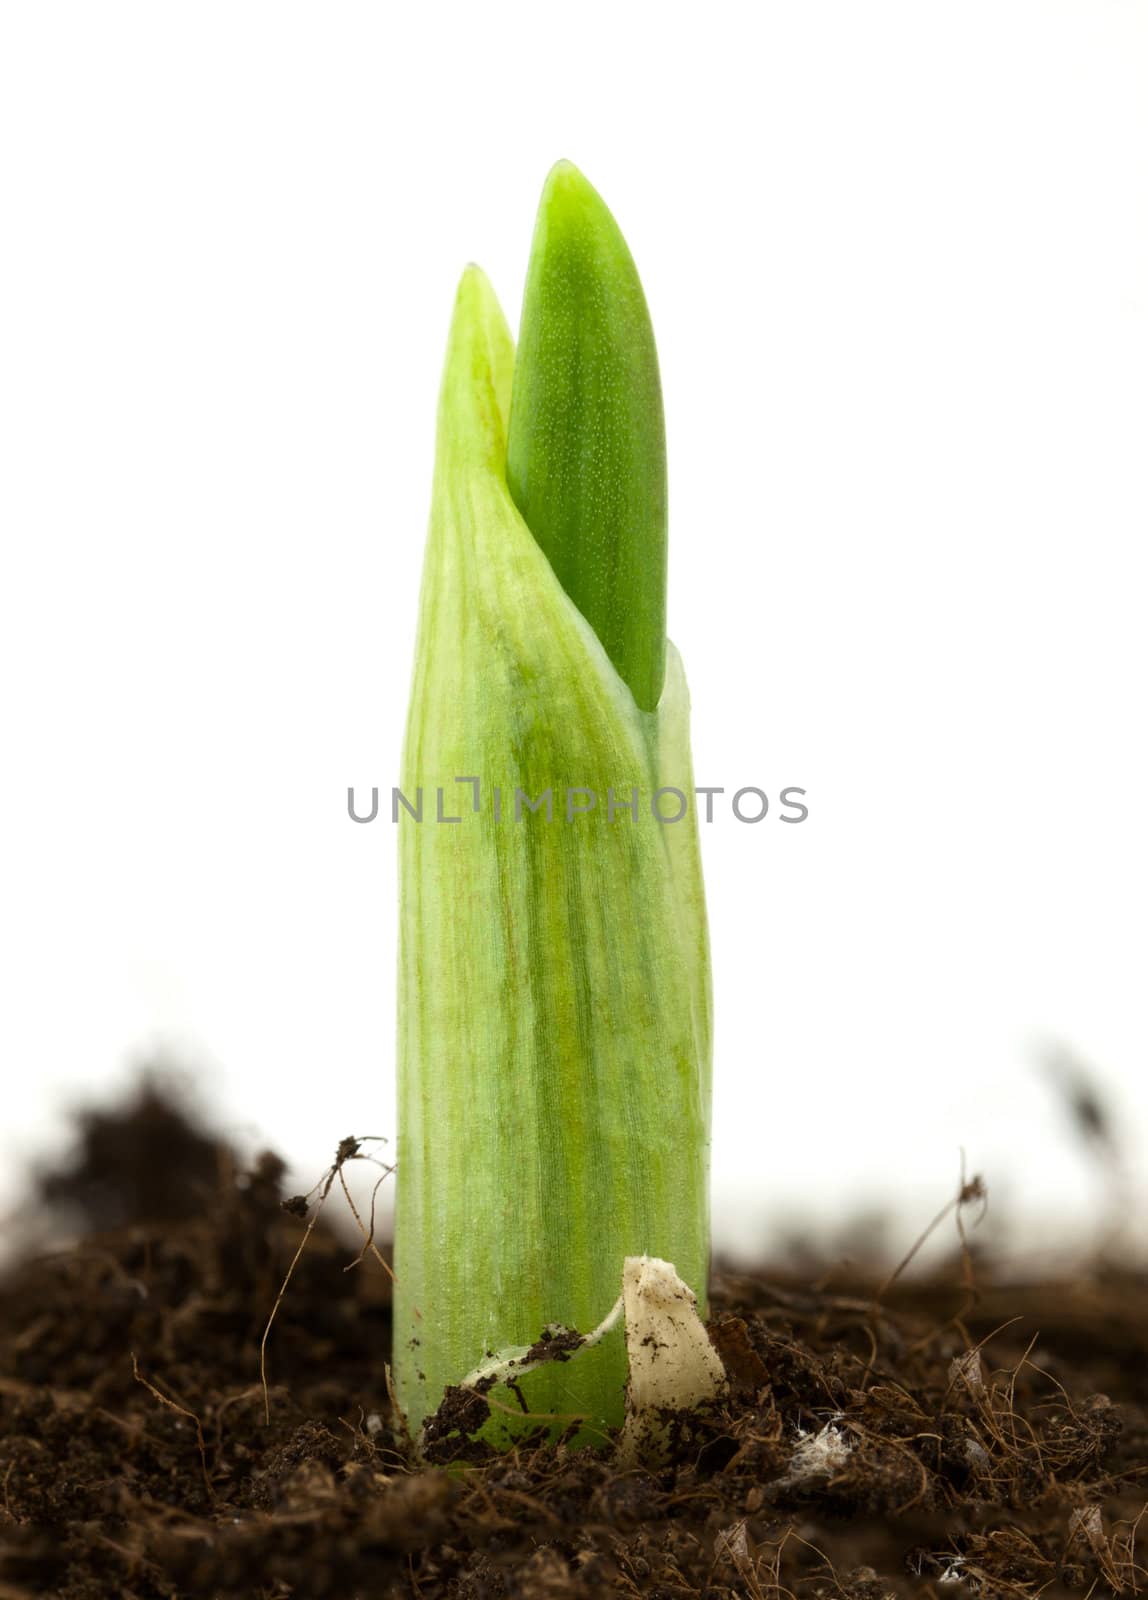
point(554, 1006)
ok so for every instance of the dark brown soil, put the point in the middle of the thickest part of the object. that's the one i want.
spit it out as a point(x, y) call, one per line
point(924, 1444)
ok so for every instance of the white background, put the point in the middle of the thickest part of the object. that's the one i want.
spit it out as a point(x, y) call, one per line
point(897, 259)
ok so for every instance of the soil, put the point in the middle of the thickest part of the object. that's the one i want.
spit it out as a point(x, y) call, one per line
point(953, 1435)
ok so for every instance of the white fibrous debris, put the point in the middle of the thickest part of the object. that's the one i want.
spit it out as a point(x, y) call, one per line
point(517, 1360)
point(1087, 1523)
point(977, 1456)
point(673, 1366)
point(374, 1424)
point(966, 1369)
point(732, 1544)
point(817, 1455)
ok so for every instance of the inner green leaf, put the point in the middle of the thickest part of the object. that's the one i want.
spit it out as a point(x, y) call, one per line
point(586, 461)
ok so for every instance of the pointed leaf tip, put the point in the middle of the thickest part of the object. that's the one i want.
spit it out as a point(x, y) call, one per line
point(586, 459)
point(474, 400)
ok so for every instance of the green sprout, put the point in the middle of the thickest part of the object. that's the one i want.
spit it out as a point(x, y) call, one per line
point(554, 990)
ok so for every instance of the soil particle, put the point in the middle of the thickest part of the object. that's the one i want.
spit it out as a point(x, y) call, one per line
point(945, 1442)
point(554, 1344)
